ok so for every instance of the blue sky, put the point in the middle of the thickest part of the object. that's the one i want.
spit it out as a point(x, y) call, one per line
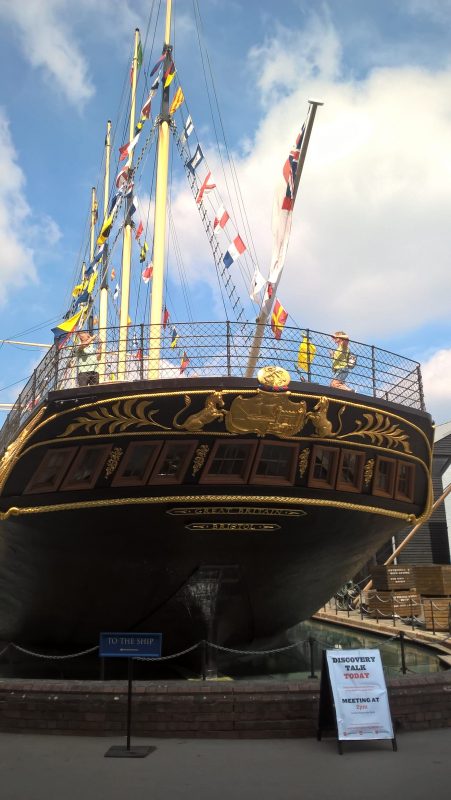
point(371, 240)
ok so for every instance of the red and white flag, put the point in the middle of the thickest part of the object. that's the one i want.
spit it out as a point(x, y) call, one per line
point(127, 149)
point(147, 273)
point(139, 230)
point(235, 249)
point(206, 187)
point(221, 218)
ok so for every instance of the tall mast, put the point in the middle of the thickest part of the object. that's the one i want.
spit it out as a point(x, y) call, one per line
point(159, 248)
point(262, 319)
point(103, 305)
point(93, 223)
point(127, 241)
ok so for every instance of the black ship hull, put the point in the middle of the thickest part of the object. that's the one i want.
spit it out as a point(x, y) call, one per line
point(228, 545)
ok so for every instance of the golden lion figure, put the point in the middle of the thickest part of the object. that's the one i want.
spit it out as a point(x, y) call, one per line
point(211, 411)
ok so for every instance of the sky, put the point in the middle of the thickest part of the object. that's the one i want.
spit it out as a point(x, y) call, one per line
point(371, 240)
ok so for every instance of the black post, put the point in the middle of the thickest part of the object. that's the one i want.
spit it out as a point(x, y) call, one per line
point(361, 607)
point(336, 607)
point(55, 366)
point(393, 609)
point(204, 660)
point(229, 367)
point(420, 389)
point(373, 369)
point(309, 372)
point(411, 612)
point(311, 642)
point(432, 618)
point(403, 654)
point(141, 344)
point(129, 700)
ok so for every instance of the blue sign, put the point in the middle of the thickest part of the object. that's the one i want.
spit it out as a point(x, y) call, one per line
point(130, 645)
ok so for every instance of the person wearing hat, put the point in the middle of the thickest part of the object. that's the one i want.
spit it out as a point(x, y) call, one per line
point(340, 361)
point(87, 360)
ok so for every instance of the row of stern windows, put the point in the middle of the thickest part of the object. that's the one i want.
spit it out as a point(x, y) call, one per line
point(244, 462)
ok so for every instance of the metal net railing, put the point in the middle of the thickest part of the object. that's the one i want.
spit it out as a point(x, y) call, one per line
point(217, 349)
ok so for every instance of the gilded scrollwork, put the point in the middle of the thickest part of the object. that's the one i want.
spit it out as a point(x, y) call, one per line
point(119, 417)
point(199, 458)
point(13, 450)
point(380, 429)
point(303, 461)
point(368, 472)
point(113, 460)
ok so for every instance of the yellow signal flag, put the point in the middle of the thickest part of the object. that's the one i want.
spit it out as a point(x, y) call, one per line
point(306, 354)
point(177, 101)
point(105, 231)
point(92, 281)
point(79, 288)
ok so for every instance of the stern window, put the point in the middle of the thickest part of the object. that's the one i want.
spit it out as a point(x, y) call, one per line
point(51, 471)
point(86, 467)
point(350, 471)
point(323, 467)
point(275, 463)
point(173, 462)
point(405, 481)
point(384, 478)
point(137, 463)
point(229, 462)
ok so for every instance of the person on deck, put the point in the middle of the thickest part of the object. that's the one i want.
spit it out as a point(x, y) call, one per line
point(87, 360)
point(340, 361)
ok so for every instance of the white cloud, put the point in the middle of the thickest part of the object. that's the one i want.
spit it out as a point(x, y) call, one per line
point(437, 385)
point(16, 263)
point(48, 43)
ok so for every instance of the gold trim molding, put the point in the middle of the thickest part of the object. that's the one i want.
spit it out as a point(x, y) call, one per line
point(14, 511)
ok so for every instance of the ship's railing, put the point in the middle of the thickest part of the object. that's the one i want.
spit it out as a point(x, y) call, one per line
point(217, 349)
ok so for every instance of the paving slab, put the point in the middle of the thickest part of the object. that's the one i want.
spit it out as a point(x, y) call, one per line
point(39, 767)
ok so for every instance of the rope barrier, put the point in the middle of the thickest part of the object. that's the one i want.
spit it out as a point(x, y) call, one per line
point(53, 657)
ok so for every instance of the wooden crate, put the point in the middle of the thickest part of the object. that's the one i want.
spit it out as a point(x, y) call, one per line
point(404, 604)
point(433, 579)
point(385, 578)
point(439, 609)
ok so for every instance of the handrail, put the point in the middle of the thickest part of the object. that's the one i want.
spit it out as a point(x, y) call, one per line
point(218, 349)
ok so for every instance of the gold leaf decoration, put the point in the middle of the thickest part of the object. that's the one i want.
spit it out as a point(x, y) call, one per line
point(12, 452)
point(382, 431)
point(368, 471)
point(199, 459)
point(118, 418)
point(303, 461)
point(113, 460)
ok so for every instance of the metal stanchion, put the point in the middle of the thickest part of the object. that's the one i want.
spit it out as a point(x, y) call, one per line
point(403, 654)
point(312, 657)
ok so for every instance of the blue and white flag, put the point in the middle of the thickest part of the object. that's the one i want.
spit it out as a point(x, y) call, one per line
point(116, 292)
point(235, 249)
point(194, 162)
point(187, 130)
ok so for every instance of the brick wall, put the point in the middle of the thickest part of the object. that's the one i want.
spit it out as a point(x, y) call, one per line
point(220, 710)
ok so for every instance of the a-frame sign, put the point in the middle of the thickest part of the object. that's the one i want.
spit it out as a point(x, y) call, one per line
point(353, 702)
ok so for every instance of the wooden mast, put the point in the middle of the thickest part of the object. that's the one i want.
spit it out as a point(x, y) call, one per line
point(263, 317)
point(103, 304)
point(159, 248)
point(94, 208)
point(127, 241)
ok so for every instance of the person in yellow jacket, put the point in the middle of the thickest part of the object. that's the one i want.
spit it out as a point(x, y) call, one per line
point(341, 361)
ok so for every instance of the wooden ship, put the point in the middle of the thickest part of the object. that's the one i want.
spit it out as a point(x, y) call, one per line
point(226, 501)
